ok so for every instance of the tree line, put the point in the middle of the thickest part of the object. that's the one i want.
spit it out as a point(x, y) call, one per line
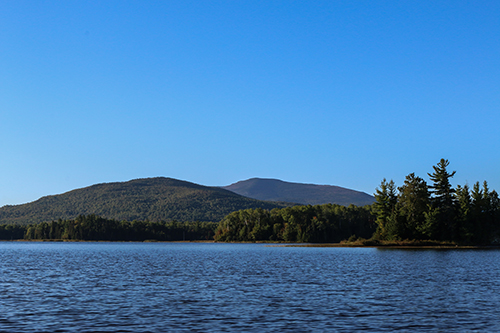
point(327, 223)
point(322, 223)
point(419, 211)
point(95, 228)
point(415, 211)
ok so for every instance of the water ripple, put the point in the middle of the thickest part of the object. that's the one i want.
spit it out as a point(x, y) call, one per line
point(136, 287)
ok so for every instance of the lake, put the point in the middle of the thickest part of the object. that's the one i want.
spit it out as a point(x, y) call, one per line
point(163, 287)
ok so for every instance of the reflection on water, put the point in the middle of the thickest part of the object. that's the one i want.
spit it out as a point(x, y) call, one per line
point(158, 287)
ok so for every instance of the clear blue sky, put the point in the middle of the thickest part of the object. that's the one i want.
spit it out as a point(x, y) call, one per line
point(326, 92)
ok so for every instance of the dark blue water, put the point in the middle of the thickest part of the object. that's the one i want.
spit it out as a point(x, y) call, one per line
point(161, 287)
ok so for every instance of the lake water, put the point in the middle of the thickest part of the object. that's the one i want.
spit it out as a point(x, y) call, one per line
point(162, 287)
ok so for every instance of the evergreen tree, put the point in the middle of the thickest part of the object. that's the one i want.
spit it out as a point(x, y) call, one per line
point(385, 205)
point(413, 202)
point(444, 200)
point(495, 216)
point(430, 228)
point(463, 216)
point(484, 214)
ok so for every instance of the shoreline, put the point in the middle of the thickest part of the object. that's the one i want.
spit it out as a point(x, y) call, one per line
point(394, 246)
point(401, 245)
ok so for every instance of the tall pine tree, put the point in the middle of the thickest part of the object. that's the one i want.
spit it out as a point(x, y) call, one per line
point(385, 204)
point(444, 200)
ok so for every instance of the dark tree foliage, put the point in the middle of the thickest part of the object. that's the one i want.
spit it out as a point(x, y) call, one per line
point(464, 220)
point(315, 224)
point(95, 228)
point(385, 209)
point(412, 202)
point(12, 232)
point(444, 200)
point(438, 211)
point(484, 213)
point(400, 213)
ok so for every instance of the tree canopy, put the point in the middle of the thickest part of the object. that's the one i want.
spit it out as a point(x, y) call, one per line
point(437, 211)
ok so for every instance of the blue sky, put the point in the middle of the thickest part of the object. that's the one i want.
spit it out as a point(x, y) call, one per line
point(328, 92)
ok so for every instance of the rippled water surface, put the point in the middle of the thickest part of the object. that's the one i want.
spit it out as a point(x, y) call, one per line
point(161, 287)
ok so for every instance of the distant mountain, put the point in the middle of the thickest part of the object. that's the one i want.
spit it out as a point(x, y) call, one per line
point(306, 194)
point(153, 199)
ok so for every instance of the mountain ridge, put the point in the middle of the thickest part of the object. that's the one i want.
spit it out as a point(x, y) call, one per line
point(270, 189)
point(164, 199)
point(155, 199)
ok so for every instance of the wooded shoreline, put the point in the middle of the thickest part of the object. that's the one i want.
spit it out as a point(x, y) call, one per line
point(413, 215)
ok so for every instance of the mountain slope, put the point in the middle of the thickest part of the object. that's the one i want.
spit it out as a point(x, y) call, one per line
point(151, 199)
point(306, 194)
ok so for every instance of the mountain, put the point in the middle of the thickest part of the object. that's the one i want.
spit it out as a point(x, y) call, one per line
point(306, 194)
point(153, 199)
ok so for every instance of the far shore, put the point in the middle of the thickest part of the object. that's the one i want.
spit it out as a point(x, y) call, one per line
point(356, 244)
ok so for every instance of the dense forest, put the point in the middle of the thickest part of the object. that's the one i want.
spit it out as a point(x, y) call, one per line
point(415, 211)
point(321, 223)
point(438, 211)
point(94, 228)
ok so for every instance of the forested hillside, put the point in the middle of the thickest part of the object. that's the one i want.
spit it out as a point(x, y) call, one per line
point(153, 199)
